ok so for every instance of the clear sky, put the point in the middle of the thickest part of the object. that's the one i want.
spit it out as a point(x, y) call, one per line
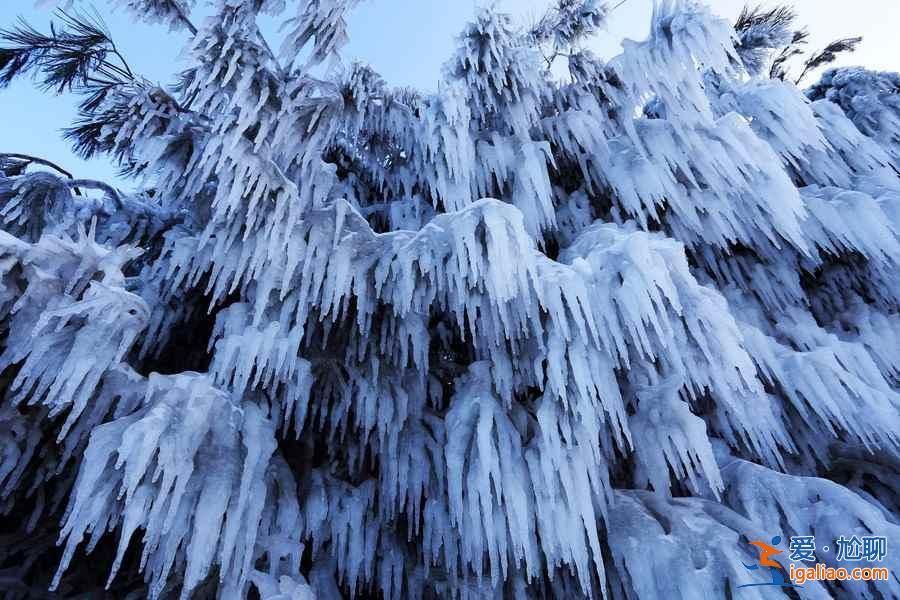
point(406, 41)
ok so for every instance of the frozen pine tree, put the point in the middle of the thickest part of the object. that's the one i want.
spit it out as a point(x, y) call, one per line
point(529, 336)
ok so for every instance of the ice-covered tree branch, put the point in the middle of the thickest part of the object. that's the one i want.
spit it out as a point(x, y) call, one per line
point(515, 338)
point(28, 159)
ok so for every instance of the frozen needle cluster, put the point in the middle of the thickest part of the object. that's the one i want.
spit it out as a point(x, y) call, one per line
point(521, 338)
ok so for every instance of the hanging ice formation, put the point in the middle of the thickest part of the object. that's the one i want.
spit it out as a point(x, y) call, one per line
point(519, 338)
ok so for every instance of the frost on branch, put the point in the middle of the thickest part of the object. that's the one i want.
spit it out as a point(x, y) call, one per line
point(321, 21)
point(192, 470)
point(248, 358)
point(809, 506)
point(517, 338)
point(869, 99)
point(676, 529)
point(72, 322)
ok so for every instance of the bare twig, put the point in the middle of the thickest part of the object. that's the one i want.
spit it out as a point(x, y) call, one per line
point(28, 159)
point(37, 161)
point(184, 18)
point(75, 184)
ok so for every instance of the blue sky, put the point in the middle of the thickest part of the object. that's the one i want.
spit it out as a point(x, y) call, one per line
point(406, 41)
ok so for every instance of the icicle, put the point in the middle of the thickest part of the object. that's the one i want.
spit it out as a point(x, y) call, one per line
point(188, 447)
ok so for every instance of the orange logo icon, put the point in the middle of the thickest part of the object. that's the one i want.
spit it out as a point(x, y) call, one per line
point(766, 552)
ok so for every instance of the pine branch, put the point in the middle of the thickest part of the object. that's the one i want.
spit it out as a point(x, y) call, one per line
point(761, 32)
point(778, 69)
point(75, 56)
point(779, 17)
point(829, 54)
point(80, 57)
point(565, 25)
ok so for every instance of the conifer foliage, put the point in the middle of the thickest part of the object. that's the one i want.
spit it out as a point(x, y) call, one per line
point(526, 337)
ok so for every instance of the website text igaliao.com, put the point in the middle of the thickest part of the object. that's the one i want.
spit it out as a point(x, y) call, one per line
point(820, 572)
